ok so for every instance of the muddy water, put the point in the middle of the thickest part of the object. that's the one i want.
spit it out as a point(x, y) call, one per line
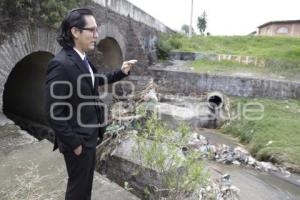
point(252, 183)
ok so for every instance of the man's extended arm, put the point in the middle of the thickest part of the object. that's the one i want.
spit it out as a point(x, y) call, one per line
point(118, 74)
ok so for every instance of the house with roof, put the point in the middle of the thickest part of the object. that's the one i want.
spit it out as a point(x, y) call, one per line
point(280, 28)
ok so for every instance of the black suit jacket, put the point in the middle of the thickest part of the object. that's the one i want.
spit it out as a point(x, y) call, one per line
point(64, 100)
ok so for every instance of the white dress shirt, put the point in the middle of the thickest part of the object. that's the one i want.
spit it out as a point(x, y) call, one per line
point(90, 69)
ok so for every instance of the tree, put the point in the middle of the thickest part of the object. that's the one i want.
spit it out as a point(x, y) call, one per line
point(185, 29)
point(48, 12)
point(202, 22)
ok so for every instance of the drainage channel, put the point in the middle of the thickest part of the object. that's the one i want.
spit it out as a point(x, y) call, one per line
point(122, 164)
point(254, 184)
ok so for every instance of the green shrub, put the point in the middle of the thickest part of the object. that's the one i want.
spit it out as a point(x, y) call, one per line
point(50, 12)
point(180, 174)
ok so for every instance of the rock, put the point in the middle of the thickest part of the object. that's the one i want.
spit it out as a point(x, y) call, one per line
point(208, 188)
point(235, 162)
point(133, 132)
point(267, 166)
point(221, 160)
point(241, 153)
point(270, 142)
point(251, 161)
point(219, 190)
point(195, 143)
point(194, 136)
point(203, 149)
point(235, 189)
point(225, 177)
point(240, 149)
point(287, 174)
point(229, 159)
point(212, 148)
point(225, 188)
point(258, 165)
point(203, 140)
point(284, 171)
point(151, 96)
point(225, 149)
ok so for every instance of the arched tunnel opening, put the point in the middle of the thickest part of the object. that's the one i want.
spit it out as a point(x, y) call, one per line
point(111, 52)
point(23, 96)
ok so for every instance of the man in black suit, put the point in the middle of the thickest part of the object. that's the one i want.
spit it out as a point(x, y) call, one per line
point(72, 103)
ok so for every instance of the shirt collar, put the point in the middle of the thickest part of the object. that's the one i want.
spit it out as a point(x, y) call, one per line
point(79, 53)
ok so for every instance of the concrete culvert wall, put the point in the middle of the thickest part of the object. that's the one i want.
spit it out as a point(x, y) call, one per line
point(191, 82)
point(215, 100)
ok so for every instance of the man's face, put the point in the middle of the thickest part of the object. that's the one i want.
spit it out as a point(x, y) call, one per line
point(87, 37)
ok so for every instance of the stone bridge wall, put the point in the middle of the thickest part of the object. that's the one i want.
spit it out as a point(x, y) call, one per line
point(20, 45)
point(127, 9)
point(134, 31)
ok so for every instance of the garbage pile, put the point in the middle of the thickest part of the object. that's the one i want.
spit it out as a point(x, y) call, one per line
point(122, 122)
point(220, 190)
point(228, 155)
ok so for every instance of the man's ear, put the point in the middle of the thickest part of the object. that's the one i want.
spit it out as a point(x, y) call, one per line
point(75, 32)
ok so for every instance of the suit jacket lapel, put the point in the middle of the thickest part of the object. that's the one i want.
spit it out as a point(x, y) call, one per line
point(80, 65)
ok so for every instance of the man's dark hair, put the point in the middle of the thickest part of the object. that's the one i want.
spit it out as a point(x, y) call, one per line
point(75, 18)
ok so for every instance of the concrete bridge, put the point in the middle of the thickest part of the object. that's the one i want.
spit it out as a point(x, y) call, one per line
point(125, 32)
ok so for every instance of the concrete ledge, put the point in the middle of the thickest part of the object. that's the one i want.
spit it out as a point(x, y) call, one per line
point(247, 60)
point(126, 163)
point(35, 172)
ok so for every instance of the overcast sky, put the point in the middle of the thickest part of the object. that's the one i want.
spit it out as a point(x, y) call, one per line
point(225, 17)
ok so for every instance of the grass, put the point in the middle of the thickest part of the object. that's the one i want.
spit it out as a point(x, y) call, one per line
point(282, 54)
point(276, 136)
point(281, 48)
point(292, 72)
point(218, 66)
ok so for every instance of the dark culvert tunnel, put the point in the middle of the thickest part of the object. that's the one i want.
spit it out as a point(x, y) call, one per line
point(23, 96)
point(111, 53)
point(108, 57)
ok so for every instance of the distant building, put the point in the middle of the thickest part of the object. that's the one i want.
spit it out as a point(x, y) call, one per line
point(280, 28)
point(253, 33)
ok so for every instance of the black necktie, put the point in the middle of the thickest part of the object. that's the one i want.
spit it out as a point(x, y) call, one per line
point(86, 63)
